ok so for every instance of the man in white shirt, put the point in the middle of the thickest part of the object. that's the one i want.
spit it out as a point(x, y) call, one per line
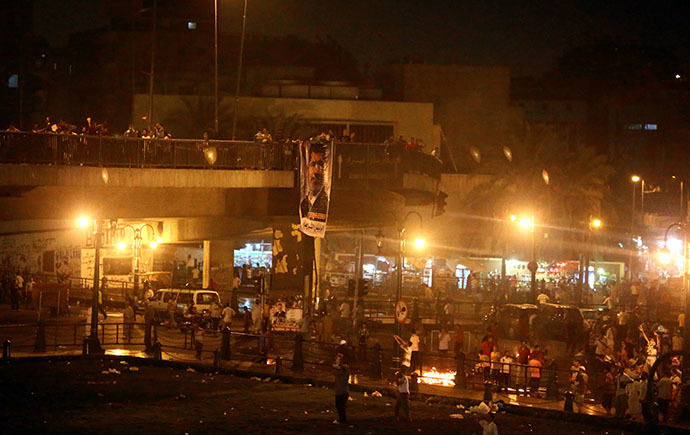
point(443, 341)
point(414, 347)
point(228, 313)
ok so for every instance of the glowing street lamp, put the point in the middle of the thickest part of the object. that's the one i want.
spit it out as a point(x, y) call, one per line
point(527, 223)
point(595, 223)
point(664, 256)
point(419, 243)
point(83, 222)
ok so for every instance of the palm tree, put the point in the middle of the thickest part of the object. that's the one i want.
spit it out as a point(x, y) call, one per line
point(539, 174)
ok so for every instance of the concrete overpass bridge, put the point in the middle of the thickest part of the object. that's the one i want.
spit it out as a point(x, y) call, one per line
point(48, 177)
point(194, 191)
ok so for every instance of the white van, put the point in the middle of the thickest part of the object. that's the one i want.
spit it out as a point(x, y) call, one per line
point(203, 300)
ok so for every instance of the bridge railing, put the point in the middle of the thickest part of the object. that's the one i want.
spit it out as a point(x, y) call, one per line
point(353, 161)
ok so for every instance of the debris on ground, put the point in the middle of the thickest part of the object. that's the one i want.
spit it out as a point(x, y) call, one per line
point(180, 397)
point(458, 416)
point(134, 369)
point(124, 363)
point(365, 394)
point(267, 380)
point(276, 381)
point(376, 394)
point(254, 378)
point(114, 371)
point(459, 406)
point(482, 408)
point(191, 370)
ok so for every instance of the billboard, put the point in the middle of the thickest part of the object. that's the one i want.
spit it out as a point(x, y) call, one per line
point(316, 168)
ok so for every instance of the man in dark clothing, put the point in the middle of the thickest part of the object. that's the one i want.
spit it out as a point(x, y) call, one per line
point(403, 402)
point(342, 391)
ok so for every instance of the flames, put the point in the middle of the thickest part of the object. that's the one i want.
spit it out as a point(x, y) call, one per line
point(434, 377)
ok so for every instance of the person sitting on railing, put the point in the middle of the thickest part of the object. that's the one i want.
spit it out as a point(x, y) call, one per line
point(145, 134)
point(345, 136)
point(12, 129)
point(263, 136)
point(90, 127)
point(131, 132)
point(159, 131)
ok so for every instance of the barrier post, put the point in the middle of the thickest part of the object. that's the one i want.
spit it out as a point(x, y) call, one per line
point(7, 350)
point(225, 344)
point(40, 344)
point(460, 378)
point(297, 356)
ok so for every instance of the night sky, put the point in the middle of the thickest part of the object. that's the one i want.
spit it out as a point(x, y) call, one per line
point(528, 36)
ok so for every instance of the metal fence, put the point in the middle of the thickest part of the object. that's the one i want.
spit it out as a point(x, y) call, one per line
point(356, 161)
point(179, 343)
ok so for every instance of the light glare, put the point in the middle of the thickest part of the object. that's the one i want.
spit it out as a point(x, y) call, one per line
point(83, 221)
point(419, 243)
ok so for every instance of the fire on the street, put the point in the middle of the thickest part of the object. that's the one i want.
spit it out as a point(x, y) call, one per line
point(434, 377)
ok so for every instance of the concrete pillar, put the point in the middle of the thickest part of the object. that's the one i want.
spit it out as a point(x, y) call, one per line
point(206, 277)
point(220, 266)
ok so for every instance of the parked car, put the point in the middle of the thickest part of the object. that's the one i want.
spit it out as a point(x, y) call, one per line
point(512, 319)
point(203, 300)
point(591, 316)
point(554, 321)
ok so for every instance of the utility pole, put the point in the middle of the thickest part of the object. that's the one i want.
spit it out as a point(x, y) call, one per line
point(153, 61)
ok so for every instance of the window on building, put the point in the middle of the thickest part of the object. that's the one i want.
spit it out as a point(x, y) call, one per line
point(13, 81)
point(191, 25)
point(634, 126)
point(117, 266)
point(650, 126)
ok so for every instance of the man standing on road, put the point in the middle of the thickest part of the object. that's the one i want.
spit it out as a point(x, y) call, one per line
point(228, 313)
point(342, 391)
point(403, 397)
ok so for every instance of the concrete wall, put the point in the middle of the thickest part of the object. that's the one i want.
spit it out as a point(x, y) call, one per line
point(25, 251)
point(409, 119)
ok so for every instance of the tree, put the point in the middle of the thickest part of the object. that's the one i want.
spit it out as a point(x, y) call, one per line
point(538, 174)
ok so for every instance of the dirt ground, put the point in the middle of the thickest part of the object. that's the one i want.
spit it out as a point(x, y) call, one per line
point(76, 397)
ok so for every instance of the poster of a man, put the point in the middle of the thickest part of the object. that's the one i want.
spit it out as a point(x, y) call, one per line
point(315, 177)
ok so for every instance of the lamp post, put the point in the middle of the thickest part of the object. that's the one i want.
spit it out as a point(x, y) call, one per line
point(528, 224)
point(91, 343)
point(136, 248)
point(635, 179)
point(215, 50)
point(683, 225)
point(239, 70)
point(419, 243)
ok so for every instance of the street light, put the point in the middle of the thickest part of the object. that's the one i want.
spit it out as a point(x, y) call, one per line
point(419, 243)
point(136, 248)
point(683, 225)
point(527, 223)
point(239, 70)
point(91, 343)
point(635, 179)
